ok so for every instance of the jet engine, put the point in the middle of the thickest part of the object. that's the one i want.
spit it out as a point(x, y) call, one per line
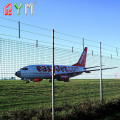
point(64, 78)
point(37, 80)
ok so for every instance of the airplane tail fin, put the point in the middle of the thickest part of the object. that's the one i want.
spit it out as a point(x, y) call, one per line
point(82, 60)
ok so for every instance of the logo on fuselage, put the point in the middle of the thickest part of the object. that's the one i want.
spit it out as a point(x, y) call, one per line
point(57, 68)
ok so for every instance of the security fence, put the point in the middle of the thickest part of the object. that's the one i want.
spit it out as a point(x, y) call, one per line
point(23, 44)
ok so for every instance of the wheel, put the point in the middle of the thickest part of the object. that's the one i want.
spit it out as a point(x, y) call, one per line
point(27, 81)
point(50, 80)
point(66, 80)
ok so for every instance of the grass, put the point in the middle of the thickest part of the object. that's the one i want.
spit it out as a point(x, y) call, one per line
point(16, 95)
point(115, 116)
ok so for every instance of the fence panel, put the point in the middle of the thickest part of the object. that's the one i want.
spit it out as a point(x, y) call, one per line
point(35, 47)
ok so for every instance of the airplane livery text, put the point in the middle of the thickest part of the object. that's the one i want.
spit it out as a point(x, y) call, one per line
point(57, 68)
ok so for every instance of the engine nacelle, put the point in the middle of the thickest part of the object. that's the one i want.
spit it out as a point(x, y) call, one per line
point(64, 78)
point(37, 80)
point(87, 72)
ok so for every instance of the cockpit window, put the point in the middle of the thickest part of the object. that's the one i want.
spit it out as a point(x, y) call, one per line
point(24, 68)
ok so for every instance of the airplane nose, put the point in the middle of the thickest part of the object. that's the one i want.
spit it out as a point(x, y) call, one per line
point(18, 73)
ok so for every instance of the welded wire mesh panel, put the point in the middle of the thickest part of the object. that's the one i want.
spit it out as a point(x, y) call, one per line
point(92, 61)
point(111, 81)
point(15, 53)
point(83, 87)
point(34, 47)
point(15, 93)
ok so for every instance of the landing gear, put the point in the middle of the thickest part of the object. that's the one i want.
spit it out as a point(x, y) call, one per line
point(27, 81)
point(67, 80)
point(50, 80)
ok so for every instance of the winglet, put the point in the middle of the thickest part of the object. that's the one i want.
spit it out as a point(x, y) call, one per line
point(82, 60)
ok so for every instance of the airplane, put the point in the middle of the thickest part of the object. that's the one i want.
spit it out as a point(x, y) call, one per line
point(37, 73)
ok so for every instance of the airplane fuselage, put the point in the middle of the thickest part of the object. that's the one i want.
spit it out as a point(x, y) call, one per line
point(36, 73)
point(45, 71)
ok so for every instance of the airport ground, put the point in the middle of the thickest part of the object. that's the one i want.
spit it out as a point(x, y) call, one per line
point(18, 96)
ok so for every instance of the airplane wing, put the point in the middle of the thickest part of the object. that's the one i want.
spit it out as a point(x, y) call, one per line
point(99, 69)
point(78, 73)
point(92, 67)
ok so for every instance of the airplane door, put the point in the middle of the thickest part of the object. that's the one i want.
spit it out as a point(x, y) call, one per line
point(34, 70)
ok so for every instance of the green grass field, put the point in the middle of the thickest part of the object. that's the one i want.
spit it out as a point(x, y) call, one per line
point(17, 95)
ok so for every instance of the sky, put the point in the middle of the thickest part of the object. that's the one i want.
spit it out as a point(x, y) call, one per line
point(97, 20)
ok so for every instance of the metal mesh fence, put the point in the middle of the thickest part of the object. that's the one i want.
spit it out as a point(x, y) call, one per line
point(17, 54)
point(111, 77)
point(34, 47)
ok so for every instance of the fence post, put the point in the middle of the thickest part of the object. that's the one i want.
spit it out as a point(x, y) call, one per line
point(117, 51)
point(36, 43)
point(92, 53)
point(101, 92)
point(53, 104)
point(19, 28)
point(83, 43)
point(72, 49)
point(1, 59)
